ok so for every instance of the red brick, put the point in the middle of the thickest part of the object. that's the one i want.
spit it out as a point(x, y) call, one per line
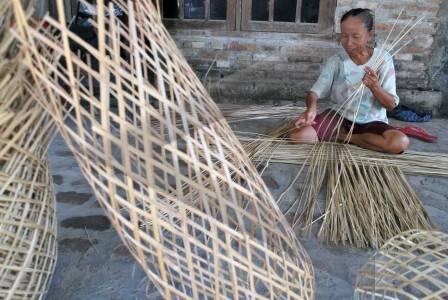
point(241, 47)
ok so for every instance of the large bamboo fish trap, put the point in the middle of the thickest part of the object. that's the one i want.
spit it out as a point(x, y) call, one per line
point(171, 176)
point(27, 203)
point(412, 265)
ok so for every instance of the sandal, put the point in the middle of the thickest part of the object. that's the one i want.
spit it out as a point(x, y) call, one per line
point(416, 132)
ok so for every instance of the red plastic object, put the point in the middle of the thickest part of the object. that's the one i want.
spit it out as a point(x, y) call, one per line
point(417, 132)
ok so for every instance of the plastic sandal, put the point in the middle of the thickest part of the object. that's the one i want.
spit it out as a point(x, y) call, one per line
point(417, 132)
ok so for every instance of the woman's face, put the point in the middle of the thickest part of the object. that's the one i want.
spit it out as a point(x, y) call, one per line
point(354, 36)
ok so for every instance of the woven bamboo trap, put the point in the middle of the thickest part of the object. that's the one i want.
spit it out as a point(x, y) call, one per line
point(412, 265)
point(27, 203)
point(162, 161)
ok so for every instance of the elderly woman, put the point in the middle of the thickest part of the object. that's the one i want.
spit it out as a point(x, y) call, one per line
point(340, 78)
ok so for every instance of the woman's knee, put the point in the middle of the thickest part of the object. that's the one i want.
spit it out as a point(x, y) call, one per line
point(396, 143)
point(303, 135)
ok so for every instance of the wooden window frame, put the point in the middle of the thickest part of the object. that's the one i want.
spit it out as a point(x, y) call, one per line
point(228, 24)
point(240, 19)
point(325, 20)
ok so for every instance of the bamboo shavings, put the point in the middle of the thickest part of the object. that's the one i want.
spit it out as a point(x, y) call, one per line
point(275, 147)
point(412, 265)
point(170, 174)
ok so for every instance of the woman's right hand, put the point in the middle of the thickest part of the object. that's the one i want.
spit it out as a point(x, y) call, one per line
point(306, 118)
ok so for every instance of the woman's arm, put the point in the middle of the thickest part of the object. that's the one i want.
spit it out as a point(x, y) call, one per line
point(371, 81)
point(320, 89)
point(311, 101)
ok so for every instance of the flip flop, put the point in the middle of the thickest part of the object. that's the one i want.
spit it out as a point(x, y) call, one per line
point(417, 132)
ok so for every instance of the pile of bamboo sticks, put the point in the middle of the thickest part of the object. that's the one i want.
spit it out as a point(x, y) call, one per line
point(368, 199)
point(282, 151)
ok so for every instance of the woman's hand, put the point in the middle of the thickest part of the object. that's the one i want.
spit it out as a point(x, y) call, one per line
point(370, 80)
point(306, 119)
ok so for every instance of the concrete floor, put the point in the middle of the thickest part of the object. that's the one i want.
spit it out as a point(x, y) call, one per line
point(93, 264)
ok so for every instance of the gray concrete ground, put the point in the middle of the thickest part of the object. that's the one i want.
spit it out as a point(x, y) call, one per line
point(93, 264)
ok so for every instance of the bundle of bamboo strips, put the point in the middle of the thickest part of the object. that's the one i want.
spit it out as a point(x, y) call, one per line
point(264, 149)
point(368, 197)
point(172, 177)
point(239, 113)
point(27, 204)
point(368, 204)
point(412, 265)
point(274, 146)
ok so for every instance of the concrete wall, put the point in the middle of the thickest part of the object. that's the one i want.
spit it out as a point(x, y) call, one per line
point(260, 66)
point(41, 7)
point(439, 57)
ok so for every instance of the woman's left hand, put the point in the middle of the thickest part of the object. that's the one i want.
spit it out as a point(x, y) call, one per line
point(370, 80)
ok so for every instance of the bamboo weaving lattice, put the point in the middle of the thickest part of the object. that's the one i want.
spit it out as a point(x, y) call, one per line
point(27, 203)
point(162, 161)
point(412, 265)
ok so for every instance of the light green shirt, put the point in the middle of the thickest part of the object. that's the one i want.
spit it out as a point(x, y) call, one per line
point(341, 77)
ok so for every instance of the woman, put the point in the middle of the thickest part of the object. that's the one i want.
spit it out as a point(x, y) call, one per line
point(341, 77)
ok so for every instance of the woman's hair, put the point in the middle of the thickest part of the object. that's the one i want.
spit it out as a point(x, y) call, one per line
point(364, 14)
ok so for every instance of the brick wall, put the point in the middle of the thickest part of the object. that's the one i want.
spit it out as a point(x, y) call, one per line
point(259, 66)
point(248, 66)
point(412, 63)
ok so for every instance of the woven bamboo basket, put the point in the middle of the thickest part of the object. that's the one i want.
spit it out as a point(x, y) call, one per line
point(27, 203)
point(164, 164)
point(412, 265)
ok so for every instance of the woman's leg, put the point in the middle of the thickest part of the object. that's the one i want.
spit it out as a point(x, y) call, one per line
point(390, 141)
point(324, 129)
point(304, 135)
